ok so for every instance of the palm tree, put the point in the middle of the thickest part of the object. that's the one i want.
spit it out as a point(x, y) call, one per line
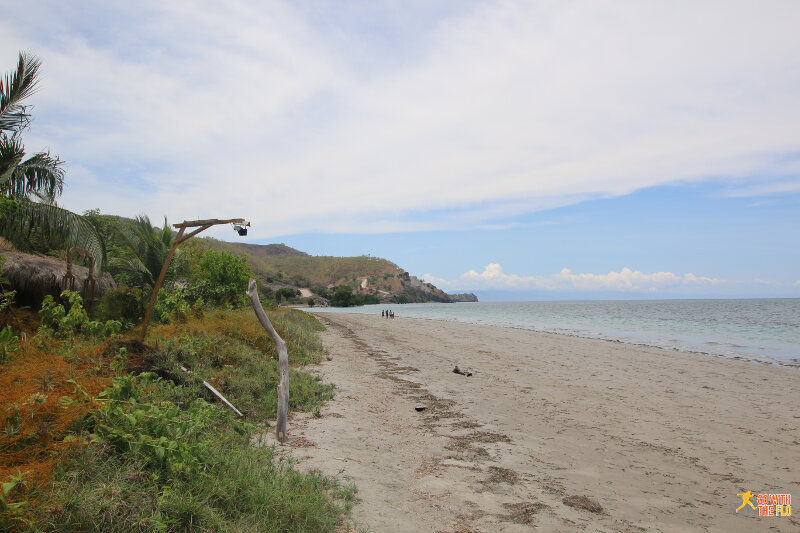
point(140, 251)
point(29, 216)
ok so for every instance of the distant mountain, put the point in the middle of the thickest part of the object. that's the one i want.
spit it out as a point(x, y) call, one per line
point(279, 265)
point(267, 250)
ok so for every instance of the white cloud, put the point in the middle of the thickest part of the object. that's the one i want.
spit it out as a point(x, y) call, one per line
point(258, 110)
point(796, 283)
point(493, 277)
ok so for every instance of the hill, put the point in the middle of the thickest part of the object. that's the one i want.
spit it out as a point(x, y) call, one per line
point(278, 265)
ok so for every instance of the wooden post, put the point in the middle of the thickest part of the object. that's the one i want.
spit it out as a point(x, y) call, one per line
point(201, 225)
point(158, 284)
point(283, 362)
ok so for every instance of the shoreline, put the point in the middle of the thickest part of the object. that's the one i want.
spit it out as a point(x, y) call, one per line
point(772, 360)
point(660, 443)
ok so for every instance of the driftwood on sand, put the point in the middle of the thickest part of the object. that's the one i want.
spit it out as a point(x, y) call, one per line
point(283, 361)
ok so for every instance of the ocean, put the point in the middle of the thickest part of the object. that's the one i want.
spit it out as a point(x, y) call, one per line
point(763, 330)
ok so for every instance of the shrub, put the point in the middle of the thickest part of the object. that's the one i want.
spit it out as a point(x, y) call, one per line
point(343, 297)
point(9, 343)
point(171, 306)
point(220, 279)
point(124, 303)
point(286, 293)
point(57, 321)
point(322, 292)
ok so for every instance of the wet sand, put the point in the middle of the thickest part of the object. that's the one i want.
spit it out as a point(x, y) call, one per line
point(552, 433)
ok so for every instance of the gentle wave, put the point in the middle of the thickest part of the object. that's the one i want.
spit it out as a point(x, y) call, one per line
point(762, 330)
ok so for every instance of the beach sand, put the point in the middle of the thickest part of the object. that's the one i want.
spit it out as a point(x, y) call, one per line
point(547, 431)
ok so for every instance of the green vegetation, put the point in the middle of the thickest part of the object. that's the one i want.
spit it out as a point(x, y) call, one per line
point(343, 297)
point(219, 279)
point(9, 343)
point(29, 216)
point(101, 432)
point(137, 251)
point(307, 271)
point(58, 321)
point(154, 451)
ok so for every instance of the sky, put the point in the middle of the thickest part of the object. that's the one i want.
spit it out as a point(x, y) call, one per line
point(531, 149)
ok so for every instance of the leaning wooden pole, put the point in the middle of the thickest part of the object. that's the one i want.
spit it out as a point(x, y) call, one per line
point(157, 287)
point(283, 361)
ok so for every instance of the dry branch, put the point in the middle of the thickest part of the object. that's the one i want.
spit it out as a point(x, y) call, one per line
point(216, 393)
point(283, 361)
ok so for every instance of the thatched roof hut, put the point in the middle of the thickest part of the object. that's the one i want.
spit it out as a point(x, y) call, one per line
point(34, 276)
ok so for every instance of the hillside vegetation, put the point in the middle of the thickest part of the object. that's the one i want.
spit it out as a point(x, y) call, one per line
point(278, 261)
point(370, 279)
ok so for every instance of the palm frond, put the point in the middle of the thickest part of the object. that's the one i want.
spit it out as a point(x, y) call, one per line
point(11, 153)
point(14, 88)
point(41, 175)
point(141, 251)
point(37, 226)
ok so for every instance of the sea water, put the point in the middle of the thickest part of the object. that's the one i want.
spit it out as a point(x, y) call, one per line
point(765, 330)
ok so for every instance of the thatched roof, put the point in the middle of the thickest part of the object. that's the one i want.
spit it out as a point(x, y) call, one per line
point(34, 276)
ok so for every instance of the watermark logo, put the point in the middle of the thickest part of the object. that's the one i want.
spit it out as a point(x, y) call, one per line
point(746, 500)
point(766, 504)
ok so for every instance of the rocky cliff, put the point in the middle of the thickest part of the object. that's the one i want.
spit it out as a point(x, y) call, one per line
point(464, 297)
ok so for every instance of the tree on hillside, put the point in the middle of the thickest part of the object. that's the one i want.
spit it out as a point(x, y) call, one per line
point(29, 216)
point(343, 297)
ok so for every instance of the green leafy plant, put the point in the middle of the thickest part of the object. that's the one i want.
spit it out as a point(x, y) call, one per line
point(57, 321)
point(168, 438)
point(171, 306)
point(9, 343)
point(220, 279)
point(5, 489)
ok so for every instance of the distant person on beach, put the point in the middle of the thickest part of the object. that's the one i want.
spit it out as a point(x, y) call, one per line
point(381, 313)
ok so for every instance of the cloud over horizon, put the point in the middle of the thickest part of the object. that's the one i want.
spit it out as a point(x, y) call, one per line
point(307, 121)
point(626, 280)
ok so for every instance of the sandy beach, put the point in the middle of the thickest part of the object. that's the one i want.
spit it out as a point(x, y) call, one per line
point(551, 432)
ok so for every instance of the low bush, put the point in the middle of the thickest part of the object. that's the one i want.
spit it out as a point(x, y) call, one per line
point(60, 322)
point(171, 306)
point(220, 279)
point(125, 304)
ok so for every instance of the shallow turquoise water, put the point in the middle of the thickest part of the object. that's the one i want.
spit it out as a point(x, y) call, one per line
point(759, 329)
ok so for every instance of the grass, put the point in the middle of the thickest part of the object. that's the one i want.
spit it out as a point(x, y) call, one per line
point(153, 451)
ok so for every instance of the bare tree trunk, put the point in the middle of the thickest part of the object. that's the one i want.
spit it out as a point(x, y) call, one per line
point(283, 361)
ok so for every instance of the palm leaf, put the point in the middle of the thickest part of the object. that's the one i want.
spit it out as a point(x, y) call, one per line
point(11, 153)
point(14, 87)
point(140, 252)
point(34, 226)
point(41, 175)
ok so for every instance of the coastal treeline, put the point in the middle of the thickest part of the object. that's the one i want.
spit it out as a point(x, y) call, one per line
point(102, 432)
